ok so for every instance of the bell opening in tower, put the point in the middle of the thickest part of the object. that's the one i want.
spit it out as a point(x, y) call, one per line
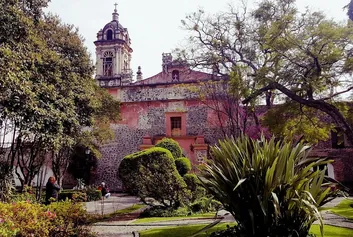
point(108, 67)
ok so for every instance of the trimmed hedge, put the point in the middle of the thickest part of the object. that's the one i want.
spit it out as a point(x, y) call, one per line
point(183, 165)
point(152, 173)
point(66, 194)
point(171, 146)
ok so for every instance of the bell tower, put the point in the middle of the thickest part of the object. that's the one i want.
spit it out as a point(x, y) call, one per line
point(113, 54)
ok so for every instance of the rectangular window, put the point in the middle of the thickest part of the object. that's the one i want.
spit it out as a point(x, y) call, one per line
point(175, 125)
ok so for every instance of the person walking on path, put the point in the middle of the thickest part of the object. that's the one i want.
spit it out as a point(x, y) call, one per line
point(51, 190)
point(104, 189)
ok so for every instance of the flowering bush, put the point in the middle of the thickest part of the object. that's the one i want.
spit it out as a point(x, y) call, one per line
point(70, 218)
point(25, 219)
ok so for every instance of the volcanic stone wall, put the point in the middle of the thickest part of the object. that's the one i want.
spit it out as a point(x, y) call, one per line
point(151, 121)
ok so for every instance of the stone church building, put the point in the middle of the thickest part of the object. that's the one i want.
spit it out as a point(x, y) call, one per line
point(164, 106)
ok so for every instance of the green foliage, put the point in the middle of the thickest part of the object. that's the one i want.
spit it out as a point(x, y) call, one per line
point(24, 196)
point(90, 193)
point(172, 146)
point(25, 219)
point(82, 165)
point(93, 194)
point(205, 204)
point(141, 171)
point(161, 211)
point(50, 94)
point(192, 181)
point(330, 231)
point(79, 197)
point(292, 121)
point(183, 165)
point(6, 186)
point(271, 188)
point(194, 185)
point(344, 208)
point(281, 54)
point(186, 230)
point(70, 218)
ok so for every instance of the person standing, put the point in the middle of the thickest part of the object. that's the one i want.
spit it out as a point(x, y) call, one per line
point(51, 190)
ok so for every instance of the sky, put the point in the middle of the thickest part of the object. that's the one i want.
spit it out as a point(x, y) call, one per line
point(155, 26)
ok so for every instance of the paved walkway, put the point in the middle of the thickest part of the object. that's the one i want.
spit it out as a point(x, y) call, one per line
point(111, 204)
point(126, 228)
point(332, 219)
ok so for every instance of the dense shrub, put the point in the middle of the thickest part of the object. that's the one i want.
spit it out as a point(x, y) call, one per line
point(171, 146)
point(205, 204)
point(24, 196)
point(93, 194)
point(152, 173)
point(25, 219)
point(59, 219)
point(191, 181)
point(198, 206)
point(87, 194)
point(194, 185)
point(66, 194)
point(272, 184)
point(70, 218)
point(79, 197)
point(183, 165)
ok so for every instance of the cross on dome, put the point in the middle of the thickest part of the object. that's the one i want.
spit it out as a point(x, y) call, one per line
point(115, 13)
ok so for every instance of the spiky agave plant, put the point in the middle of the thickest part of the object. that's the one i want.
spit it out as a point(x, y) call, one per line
point(271, 188)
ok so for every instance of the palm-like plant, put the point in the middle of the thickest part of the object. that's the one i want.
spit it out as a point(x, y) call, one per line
point(271, 188)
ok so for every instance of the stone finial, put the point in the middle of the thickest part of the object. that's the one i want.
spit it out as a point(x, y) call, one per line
point(115, 13)
point(139, 73)
point(167, 59)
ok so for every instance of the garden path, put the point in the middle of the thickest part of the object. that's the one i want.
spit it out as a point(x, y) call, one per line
point(332, 219)
point(126, 228)
point(111, 204)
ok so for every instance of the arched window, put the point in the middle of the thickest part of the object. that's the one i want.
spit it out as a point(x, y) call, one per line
point(109, 35)
point(108, 64)
point(175, 75)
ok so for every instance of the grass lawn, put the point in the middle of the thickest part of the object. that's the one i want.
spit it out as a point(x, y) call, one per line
point(344, 209)
point(155, 219)
point(181, 231)
point(128, 209)
point(330, 231)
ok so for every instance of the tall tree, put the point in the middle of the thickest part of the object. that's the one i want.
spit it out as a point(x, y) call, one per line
point(47, 92)
point(305, 56)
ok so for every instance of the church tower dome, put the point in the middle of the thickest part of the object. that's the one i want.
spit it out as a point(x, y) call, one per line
point(113, 54)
